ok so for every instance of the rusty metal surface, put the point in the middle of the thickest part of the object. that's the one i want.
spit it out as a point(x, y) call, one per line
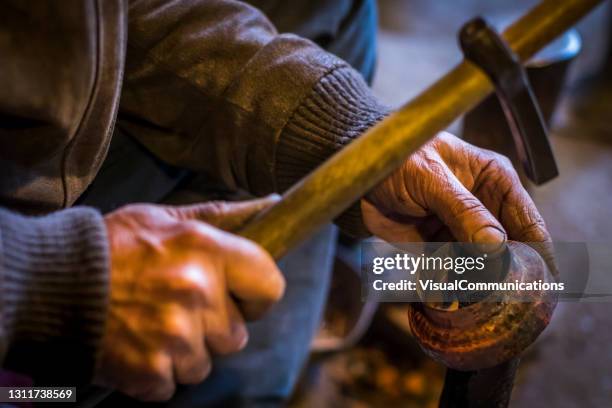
point(485, 334)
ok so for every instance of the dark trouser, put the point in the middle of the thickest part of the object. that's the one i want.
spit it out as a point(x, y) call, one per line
point(265, 372)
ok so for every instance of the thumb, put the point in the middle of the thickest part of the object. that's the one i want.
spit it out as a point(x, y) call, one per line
point(466, 217)
point(225, 215)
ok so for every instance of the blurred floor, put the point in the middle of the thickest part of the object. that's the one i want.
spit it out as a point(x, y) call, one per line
point(571, 364)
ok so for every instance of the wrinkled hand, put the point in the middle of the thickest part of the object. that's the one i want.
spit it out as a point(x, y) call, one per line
point(175, 280)
point(451, 190)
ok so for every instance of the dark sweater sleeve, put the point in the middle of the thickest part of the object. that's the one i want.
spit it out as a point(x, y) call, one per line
point(212, 86)
point(53, 293)
point(339, 109)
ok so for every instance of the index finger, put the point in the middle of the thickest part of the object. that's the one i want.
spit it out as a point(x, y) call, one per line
point(524, 223)
point(499, 188)
point(521, 218)
point(226, 215)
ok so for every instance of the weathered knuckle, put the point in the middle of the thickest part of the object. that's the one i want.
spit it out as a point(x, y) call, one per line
point(503, 161)
point(466, 207)
point(534, 231)
point(433, 175)
point(154, 367)
point(216, 209)
point(499, 172)
point(192, 278)
point(192, 234)
point(494, 161)
point(190, 228)
point(175, 327)
point(180, 236)
point(447, 139)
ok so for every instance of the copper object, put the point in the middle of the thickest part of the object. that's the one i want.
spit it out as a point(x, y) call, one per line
point(492, 331)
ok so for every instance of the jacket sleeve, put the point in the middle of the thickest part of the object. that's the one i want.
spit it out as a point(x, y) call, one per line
point(211, 86)
point(53, 294)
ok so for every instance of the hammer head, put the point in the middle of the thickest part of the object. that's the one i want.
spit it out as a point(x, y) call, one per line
point(485, 48)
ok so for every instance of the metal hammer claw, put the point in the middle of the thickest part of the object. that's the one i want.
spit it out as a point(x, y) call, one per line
point(486, 49)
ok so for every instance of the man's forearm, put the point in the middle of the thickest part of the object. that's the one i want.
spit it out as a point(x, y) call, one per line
point(339, 109)
point(53, 291)
point(211, 86)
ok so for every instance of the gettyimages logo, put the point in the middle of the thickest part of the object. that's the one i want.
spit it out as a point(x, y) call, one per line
point(465, 273)
point(411, 263)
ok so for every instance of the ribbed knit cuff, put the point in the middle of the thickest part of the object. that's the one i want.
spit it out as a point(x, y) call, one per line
point(54, 284)
point(339, 109)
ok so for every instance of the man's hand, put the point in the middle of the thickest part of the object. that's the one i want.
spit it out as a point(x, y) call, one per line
point(451, 190)
point(176, 282)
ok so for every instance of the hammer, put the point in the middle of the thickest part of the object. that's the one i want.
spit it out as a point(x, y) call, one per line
point(349, 174)
point(491, 63)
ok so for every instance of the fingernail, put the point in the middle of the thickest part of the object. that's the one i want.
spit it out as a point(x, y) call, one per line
point(243, 342)
point(273, 197)
point(241, 334)
point(489, 239)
